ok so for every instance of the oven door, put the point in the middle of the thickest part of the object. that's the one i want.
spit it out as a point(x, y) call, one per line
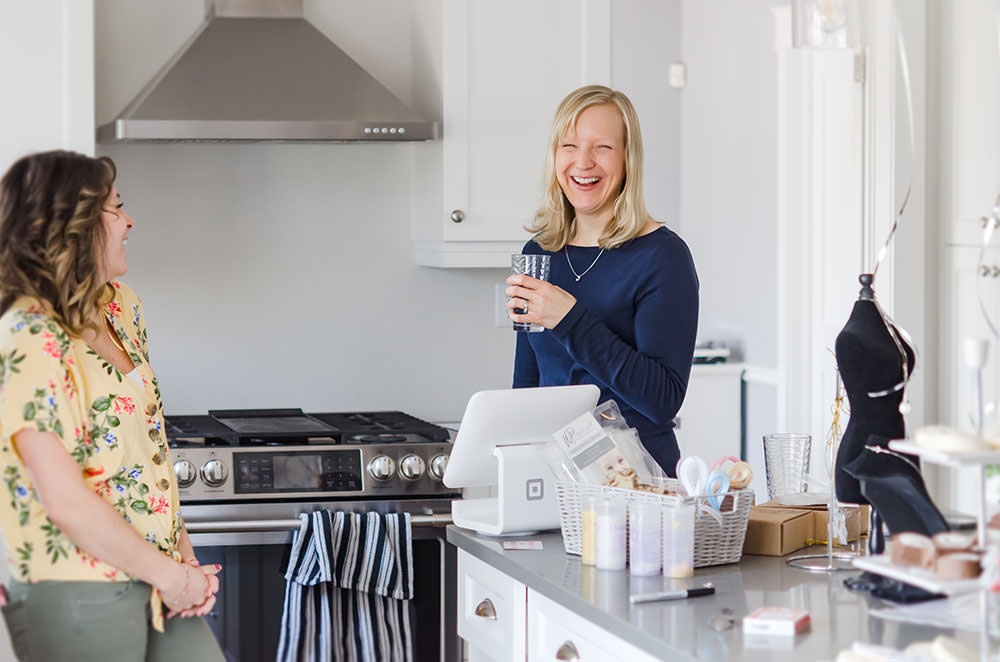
point(254, 554)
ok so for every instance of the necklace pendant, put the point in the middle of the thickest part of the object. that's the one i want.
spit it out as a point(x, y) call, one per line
point(578, 278)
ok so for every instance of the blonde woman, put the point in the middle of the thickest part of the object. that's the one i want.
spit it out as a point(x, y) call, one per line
point(620, 309)
point(90, 515)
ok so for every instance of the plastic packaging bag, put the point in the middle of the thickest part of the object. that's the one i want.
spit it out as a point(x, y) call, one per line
point(599, 448)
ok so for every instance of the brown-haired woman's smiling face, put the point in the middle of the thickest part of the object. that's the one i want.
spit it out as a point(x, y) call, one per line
point(117, 225)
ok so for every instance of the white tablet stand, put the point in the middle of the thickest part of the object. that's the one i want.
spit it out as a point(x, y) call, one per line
point(525, 500)
point(497, 447)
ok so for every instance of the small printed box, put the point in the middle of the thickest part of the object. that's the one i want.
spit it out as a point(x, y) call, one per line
point(776, 620)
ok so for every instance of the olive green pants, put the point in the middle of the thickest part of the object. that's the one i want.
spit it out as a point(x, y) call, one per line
point(99, 621)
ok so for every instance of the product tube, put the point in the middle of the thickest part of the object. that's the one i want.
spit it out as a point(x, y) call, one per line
point(644, 538)
point(588, 517)
point(678, 541)
point(610, 534)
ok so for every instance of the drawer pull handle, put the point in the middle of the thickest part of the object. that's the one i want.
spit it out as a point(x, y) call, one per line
point(485, 609)
point(568, 653)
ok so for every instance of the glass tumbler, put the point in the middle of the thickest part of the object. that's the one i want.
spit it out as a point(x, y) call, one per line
point(786, 461)
point(536, 266)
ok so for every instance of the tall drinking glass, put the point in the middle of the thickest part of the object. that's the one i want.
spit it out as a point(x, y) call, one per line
point(786, 461)
point(536, 266)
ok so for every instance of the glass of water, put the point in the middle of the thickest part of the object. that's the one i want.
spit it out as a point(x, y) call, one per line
point(536, 266)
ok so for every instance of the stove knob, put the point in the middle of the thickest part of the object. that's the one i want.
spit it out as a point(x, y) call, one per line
point(411, 467)
point(185, 472)
point(214, 473)
point(438, 464)
point(381, 467)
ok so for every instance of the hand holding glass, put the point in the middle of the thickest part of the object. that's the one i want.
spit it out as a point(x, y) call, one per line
point(536, 266)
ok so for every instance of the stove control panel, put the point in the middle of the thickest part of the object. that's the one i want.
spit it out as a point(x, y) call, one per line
point(208, 472)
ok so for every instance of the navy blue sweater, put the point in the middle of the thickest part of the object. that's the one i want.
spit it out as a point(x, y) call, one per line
point(631, 333)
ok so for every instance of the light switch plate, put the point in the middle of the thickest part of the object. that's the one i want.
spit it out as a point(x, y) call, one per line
point(500, 318)
point(677, 75)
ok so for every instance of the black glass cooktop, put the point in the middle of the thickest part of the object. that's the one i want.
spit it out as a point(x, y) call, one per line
point(293, 426)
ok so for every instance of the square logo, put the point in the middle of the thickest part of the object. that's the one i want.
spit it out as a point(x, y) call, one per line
point(535, 489)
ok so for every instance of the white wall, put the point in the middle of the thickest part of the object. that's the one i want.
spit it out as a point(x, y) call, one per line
point(646, 39)
point(728, 205)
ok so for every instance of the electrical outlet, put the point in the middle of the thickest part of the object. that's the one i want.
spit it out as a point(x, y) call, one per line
point(677, 75)
point(500, 318)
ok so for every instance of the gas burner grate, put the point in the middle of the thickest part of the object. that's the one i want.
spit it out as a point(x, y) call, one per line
point(368, 427)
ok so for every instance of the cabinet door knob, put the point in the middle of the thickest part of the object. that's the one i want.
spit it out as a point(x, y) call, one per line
point(568, 653)
point(457, 216)
point(485, 609)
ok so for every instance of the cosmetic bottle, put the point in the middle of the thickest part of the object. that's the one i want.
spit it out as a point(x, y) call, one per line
point(644, 544)
point(678, 541)
point(610, 536)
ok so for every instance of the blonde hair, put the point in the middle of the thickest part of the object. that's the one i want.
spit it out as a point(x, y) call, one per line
point(555, 220)
point(51, 226)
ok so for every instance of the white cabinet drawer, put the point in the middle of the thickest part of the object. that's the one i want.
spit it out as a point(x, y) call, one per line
point(556, 633)
point(491, 611)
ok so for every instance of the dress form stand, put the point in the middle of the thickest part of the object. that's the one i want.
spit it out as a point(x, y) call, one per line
point(870, 362)
point(875, 361)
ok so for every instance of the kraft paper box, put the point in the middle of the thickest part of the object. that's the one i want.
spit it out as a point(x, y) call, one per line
point(856, 519)
point(777, 531)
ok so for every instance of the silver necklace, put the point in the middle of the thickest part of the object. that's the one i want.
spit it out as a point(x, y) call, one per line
point(579, 276)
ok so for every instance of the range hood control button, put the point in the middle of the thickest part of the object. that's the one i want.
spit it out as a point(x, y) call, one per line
point(411, 467)
point(185, 472)
point(214, 473)
point(381, 467)
point(438, 464)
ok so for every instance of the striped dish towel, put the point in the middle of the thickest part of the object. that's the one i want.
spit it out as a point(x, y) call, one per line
point(348, 585)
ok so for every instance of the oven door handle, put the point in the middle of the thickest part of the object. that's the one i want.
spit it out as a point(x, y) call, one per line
point(235, 526)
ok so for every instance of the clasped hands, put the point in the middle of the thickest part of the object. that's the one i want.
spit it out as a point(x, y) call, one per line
point(546, 304)
point(194, 593)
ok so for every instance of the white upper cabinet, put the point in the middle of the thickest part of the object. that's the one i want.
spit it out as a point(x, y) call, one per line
point(48, 78)
point(505, 67)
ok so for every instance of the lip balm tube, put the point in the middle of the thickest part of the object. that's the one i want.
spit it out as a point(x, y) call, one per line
point(644, 538)
point(678, 541)
point(610, 536)
point(588, 521)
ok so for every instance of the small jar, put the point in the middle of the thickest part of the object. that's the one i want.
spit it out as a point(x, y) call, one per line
point(610, 538)
point(678, 541)
point(588, 521)
point(644, 538)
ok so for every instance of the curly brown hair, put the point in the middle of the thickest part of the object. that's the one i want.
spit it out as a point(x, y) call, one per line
point(50, 232)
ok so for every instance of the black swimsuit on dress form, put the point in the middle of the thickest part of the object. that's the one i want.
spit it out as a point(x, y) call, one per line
point(870, 361)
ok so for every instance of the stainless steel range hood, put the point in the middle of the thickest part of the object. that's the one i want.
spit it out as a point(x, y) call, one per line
point(258, 71)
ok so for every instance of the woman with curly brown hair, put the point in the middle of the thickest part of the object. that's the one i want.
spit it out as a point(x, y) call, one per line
point(90, 515)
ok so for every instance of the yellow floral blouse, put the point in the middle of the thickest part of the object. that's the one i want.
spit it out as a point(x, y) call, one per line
point(112, 426)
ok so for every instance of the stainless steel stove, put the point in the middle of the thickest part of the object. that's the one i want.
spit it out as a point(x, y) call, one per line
point(245, 476)
point(263, 454)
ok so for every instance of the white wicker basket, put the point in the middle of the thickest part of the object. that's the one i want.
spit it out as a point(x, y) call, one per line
point(713, 544)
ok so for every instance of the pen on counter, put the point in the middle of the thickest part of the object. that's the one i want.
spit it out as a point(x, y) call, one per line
point(671, 595)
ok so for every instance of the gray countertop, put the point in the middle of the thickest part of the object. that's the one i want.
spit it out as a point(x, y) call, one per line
point(681, 629)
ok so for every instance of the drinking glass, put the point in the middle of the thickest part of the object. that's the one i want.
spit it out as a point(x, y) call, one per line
point(786, 461)
point(536, 266)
